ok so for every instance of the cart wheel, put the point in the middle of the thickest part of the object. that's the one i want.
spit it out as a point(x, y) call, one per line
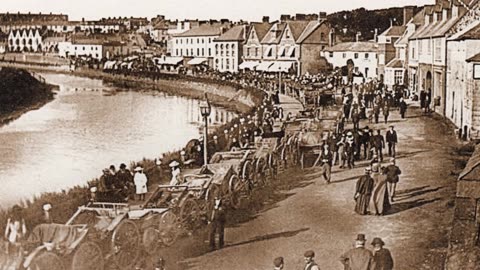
point(89, 256)
point(47, 261)
point(150, 240)
point(168, 228)
point(189, 211)
point(233, 183)
point(247, 173)
point(126, 244)
point(260, 172)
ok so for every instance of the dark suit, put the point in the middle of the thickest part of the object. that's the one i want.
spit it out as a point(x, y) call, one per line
point(379, 143)
point(391, 141)
point(217, 226)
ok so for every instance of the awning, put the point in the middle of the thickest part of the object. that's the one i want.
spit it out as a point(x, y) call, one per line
point(291, 52)
point(130, 65)
point(281, 52)
point(264, 66)
point(168, 60)
point(109, 65)
point(280, 67)
point(197, 61)
point(124, 64)
point(248, 65)
point(131, 58)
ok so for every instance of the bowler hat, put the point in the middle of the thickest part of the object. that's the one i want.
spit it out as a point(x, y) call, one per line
point(174, 164)
point(309, 254)
point(377, 241)
point(361, 237)
point(277, 262)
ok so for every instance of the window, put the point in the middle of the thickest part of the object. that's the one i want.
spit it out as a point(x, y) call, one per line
point(176, 52)
point(287, 33)
point(249, 51)
point(256, 52)
point(198, 41)
point(227, 66)
point(203, 52)
point(344, 55)
point(322, 36)
point(438, 50)
point(209, 52)
point(420, 47)
point(331, 54)
point(429, 46)
point(356, 55)
point(191, 52)
point(398, 77)
point(366, 56)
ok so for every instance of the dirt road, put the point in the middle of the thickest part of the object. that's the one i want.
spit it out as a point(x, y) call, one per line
point(302, 212)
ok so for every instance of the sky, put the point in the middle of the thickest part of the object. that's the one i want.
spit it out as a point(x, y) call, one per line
point(249, 10)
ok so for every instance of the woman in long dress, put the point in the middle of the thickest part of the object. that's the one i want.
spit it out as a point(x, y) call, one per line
point(140, 180)
point(379, 203)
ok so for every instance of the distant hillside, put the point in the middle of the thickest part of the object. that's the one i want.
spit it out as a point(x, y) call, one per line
point(19, 91)
point(364, 21)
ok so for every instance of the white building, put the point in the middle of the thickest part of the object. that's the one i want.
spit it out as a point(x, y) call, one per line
point(229, 49)
point(85, 47)
point(197, 44)
point(363, 54)
point(29, 40)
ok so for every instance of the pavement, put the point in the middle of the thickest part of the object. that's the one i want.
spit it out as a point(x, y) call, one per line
point(300, 211)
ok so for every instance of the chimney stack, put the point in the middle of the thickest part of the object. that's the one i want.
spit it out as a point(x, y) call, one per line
point(331, 37)
point(322, 16)
point(357, 36)
point(266, 19)
point(408, 13)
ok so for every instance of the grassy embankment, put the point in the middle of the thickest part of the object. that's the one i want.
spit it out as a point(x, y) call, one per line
point(224, 94)
point(21, 92)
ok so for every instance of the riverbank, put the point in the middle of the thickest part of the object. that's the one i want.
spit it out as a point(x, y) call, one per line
point(224, 93)
point(21, 93)
point(65, 202)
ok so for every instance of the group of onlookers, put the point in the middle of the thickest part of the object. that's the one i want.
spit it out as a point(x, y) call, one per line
point(357, 258)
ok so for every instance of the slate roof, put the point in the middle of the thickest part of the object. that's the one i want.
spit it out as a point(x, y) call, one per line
point(395, 63)
point(361, 46)
point(203, 30)
point(274, 40)
point(297, 28)
point(475, 58)
point(394, 31)
point(311, 27)
point(261, 29)
point(236, 33)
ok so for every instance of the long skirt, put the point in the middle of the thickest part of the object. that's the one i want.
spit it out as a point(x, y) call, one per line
point(361, 207)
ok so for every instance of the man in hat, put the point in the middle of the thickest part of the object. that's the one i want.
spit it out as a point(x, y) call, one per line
point(140, 180)
point(363, 192)
point(382, 257)
point(350, 150)
point(379, 143)
point(358, 258)
point(310, 264)
point(391, 138)
point(125, 181)
point(217, 220)
point(326, 159)
point(392, 171)
point(278, 263)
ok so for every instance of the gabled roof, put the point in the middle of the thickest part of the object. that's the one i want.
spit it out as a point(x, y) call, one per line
point(311, 27)
point(297, 28)
point(275, 39)
point(203, 30)
point(361, 46)
point(395, 63)
point(394, 31)
point(236, 33)
point(261, 29)
point(161, 25)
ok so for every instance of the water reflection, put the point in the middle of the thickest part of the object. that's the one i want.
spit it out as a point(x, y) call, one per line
point(85, 129)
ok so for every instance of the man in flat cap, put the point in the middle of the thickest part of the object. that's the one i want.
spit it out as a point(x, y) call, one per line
point(309, 262)
point(358, 258)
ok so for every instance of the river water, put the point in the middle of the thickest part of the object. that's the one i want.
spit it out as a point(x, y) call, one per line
point(89, 126)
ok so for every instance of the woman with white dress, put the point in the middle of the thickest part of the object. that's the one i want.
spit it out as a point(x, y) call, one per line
point(140, 180)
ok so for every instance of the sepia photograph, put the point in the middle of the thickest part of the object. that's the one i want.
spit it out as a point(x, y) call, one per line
point(240, 135)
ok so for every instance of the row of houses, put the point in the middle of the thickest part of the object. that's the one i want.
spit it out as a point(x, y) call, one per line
point(283, 46)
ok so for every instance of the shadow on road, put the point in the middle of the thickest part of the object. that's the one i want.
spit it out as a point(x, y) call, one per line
point(269, 237)
point(404, 206)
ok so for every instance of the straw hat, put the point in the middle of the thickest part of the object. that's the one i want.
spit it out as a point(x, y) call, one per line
point(174, 164)
point(138, 169)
